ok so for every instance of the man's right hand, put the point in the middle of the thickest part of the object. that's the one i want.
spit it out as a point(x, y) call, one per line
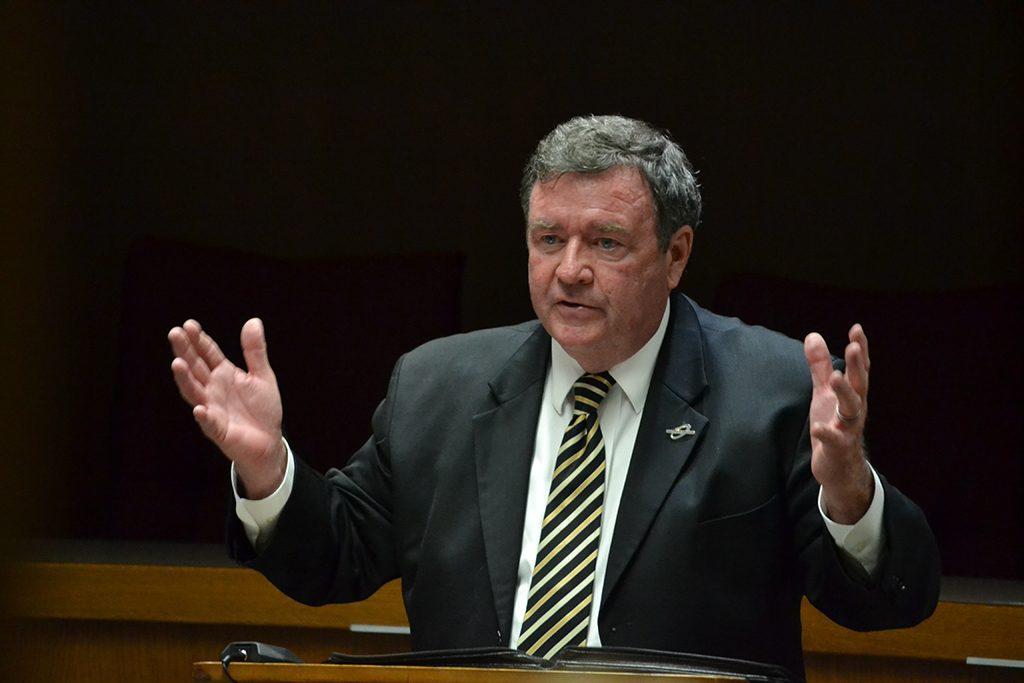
point(237, 410)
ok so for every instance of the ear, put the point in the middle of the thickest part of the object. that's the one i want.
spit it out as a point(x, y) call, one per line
point(678, 253)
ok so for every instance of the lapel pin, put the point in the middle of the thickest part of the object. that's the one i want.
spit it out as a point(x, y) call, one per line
point(679, 432)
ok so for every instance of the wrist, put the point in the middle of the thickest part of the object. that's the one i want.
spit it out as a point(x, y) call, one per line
point(261, 478)
point(848, 503)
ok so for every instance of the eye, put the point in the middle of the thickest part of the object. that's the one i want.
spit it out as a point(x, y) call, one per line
point(548, 240)
point(607, 243)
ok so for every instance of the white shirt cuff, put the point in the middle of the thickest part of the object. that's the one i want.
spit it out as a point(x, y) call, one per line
point(259, 517)
point(863, 540)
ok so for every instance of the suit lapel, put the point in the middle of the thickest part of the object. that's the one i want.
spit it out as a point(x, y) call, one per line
point(657, 459)
point(503, 438)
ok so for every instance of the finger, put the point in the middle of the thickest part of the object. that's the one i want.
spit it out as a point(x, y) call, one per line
point(254, 348)
point(856, 370)
point(848, 402)
point(190, 389)
point(184, 349)
point(832, 438)
point(204, 344)
point(180, 342)
point(212, 422)
point(818, 359)
point(192, 328)
point(857, 334)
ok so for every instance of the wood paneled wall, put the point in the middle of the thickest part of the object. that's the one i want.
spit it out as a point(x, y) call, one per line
point(94, 622)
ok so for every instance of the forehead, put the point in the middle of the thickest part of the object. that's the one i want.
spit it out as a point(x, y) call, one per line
point(619, 192)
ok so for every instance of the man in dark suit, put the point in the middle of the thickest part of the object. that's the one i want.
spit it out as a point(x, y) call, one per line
point(628, 470)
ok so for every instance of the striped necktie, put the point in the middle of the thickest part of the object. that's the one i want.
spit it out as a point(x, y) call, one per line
point(562, 588)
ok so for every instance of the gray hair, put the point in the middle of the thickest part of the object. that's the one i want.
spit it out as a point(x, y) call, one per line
point(592, 144)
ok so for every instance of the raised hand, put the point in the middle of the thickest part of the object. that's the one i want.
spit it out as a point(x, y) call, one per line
point(239, 411)
point(839, 409)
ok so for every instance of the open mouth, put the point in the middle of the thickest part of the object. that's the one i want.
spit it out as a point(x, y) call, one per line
point(574, 306)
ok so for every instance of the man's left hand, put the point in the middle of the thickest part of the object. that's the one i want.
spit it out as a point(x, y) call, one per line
point(839, 408)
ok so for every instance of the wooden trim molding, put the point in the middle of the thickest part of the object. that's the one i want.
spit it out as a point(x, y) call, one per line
point(223, 595)
point(196, 595)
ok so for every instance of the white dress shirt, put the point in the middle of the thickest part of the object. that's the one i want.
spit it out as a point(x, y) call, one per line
point(620, 415)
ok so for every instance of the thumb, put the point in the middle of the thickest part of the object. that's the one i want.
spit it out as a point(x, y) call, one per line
point(254, 348)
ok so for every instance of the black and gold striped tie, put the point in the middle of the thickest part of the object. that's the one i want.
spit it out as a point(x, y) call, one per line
point(562, 587)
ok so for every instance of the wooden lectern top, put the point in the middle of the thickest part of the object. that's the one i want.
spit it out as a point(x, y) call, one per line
point(244, 672)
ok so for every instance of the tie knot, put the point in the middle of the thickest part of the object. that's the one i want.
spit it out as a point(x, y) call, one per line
point(589, 390)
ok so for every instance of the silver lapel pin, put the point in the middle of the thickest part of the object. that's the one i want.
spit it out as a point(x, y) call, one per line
point(679, 432)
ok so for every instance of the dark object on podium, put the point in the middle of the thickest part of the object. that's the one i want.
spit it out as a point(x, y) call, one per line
point(251, 651)
point(593, 659)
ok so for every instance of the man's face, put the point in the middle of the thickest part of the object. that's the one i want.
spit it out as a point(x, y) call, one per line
point(598, 281)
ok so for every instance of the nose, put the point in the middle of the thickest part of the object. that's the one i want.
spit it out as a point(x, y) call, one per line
point(575, 267)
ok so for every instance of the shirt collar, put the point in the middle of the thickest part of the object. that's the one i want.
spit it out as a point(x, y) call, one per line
point(633, 374)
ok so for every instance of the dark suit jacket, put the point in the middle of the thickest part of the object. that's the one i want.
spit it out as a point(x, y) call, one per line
point(718, 534)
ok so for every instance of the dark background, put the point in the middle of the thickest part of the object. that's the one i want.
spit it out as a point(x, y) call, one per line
point(349, 172)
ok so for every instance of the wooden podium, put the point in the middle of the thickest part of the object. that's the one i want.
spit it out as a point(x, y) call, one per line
point(340, 673)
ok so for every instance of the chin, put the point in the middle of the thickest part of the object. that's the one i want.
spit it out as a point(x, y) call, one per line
point(572, 338)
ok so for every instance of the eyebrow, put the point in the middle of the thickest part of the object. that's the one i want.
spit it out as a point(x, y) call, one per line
point(540, 225)
point(613, 228)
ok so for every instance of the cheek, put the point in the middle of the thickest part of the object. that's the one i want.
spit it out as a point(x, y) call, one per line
point(537, 276)
point(654, 279)
point(622, 285)
point(539, 268)
point(635, 293)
